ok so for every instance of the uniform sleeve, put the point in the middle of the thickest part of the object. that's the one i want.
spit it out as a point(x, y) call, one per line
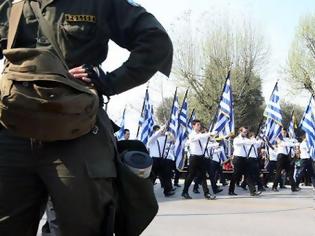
point(154, 137)
point(138, 31)
point(196, 137)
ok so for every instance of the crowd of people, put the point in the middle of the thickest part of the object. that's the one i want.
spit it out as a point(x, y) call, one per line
point(244, 160)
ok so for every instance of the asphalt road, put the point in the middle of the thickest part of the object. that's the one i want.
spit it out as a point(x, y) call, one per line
point(271, 214)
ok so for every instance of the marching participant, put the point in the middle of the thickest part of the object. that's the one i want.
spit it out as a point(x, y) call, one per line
point(218, 158)
point(307, 163)
point(285, 150)
point(253, 160)
point(196, 160)
point(241, 146)
point(161, 167)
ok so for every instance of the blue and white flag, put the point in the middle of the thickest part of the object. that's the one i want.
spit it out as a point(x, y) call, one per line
point(120, 133)
point(224, 125)
point(173, 125)
point(146, 121)
point(273, 125)
point(189, 123)
point(182, 135)
point(308, 126)
point(292, 126)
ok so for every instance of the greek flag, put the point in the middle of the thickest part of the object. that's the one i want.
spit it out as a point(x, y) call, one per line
point(182, 135)
point(173, 125)
point(224, 125)
point(120, 133)
point(189, 123)
point(308, 126)
point(292, 126)
point(273, 114)
point(146, 120)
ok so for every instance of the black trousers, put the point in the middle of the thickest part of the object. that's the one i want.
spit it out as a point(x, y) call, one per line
point(284, 163)
point(196, 166)
point(76, 174)
point(271, 167)
point(241, 168)
point(162, 168)
point(211, 168)
point(307, 167)
point(254, 171)
point(176, 172)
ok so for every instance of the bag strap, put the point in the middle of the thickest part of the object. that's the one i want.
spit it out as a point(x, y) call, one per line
point(15, 16)
point(47, 31)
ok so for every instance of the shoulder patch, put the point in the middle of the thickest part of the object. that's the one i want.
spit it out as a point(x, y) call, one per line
point(133, 3)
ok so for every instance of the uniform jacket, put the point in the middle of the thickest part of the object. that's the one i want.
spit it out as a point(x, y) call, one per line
point(83, 29)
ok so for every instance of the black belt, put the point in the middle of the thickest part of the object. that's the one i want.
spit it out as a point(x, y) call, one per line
point(197, 156)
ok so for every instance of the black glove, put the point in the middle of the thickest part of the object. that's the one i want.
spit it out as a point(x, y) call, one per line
point(99, 79)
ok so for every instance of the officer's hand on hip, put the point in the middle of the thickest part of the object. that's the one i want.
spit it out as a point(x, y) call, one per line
point(80, 73)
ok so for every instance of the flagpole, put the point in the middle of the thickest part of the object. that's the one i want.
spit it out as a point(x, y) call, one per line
point(141, 114)
point(169, 121)
point(185, 97)
point(191, 116)
point(211, 125)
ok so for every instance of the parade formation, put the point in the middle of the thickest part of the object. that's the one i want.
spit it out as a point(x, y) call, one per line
point(272, 154)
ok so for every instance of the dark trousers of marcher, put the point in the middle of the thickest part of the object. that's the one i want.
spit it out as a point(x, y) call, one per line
point(241, 168)
point(307, 168)
point(254, 172)
point(196, 166)
point(220, 175)
point(176, 173)
point(78, 174)
point(211, 173)
point(215, 169)
point(284, 163)
point(162, 169)
point(271, 167)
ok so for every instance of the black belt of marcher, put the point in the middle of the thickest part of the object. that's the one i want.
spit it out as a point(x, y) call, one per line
point(197, 156)
point(240, 157)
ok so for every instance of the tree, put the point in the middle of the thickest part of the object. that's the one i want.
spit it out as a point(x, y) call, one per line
point(286, 110)
point(163, 111)
point(301, 60)
point(203, 59)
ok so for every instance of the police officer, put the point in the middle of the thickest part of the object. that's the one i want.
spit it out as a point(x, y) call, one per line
point(79, 174)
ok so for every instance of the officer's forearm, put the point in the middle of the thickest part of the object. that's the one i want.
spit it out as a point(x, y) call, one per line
point(153, 53)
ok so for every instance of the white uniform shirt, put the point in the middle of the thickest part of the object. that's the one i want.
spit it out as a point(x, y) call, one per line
point(304, 150)
point(170, 151)
point(253, 148)
point(273, 154)
point(156, 144)
point(197, 143)
point(219, 155)
point(241, 146)
point(285, 145)
point(212, 145)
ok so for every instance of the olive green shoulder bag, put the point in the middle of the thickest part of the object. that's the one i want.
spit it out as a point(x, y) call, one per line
point(38, 97)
